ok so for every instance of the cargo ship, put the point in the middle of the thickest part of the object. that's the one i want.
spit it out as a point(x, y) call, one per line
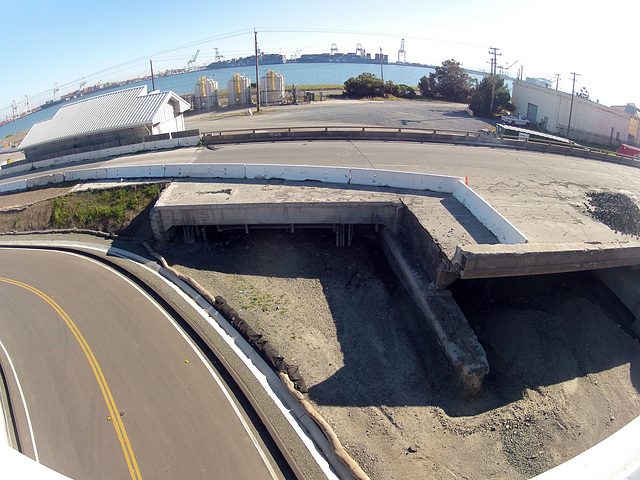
point(263, 59)
point(351, 57)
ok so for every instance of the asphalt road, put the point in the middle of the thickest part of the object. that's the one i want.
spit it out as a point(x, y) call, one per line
point(389, 113)
point(112, 387)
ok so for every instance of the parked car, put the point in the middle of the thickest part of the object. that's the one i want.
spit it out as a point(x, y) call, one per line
point(519, 120)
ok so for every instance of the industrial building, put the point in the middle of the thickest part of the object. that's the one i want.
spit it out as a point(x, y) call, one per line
point(116, 119)
point(586, 120)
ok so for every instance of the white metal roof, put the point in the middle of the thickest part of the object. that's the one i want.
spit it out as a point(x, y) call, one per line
point(117, 110)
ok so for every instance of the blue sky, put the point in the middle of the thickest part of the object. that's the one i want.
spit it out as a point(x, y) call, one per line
point(65, 41)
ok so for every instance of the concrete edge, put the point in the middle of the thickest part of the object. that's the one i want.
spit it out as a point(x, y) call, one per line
point(487, 261)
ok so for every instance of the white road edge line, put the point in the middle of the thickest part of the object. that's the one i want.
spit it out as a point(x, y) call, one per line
point(198, 353)
point(24, 402)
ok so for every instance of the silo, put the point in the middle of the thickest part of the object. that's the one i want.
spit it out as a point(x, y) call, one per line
point(206, 93)
point(239, 90)
point(272, 87)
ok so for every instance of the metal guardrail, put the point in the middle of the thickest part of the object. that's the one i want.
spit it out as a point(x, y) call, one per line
point(480, 138)
point(339, 133)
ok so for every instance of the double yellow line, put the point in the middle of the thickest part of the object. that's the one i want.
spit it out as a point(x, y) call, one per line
point(106, 393)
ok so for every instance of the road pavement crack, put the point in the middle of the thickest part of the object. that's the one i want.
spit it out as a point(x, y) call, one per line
point(363, 155)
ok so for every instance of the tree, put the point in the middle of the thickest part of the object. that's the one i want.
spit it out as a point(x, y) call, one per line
point(449, 82)
point(364, 85)
point(481, 98)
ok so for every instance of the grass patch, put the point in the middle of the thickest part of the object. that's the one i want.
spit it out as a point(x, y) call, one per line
point(105, 210)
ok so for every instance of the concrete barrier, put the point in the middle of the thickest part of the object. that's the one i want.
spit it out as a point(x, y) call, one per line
point(204, 170)
point(394, 179)
point(136, 171)
point(298, 173)
point(504, 230)
point(45, 180)
point(13, 186)
point(86, 174)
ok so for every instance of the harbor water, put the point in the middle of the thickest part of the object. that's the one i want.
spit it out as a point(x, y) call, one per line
point(294, 73)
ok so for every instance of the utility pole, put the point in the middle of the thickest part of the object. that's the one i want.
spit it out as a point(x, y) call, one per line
point(381, 68)
point(573, 89)
point(557, 79)
point(257, 73)
point(493, 73)
point(153, 83)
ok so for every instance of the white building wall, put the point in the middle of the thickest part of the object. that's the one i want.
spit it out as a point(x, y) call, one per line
point(590, 121)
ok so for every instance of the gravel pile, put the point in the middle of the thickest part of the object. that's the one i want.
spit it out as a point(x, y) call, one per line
point(615, 210)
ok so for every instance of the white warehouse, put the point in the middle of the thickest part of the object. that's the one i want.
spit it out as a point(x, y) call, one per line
point(591, 121)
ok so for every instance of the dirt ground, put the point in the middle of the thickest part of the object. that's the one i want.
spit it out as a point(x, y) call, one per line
point(565, 368)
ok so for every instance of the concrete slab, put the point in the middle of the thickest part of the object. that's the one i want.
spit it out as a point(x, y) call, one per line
point(247, 202)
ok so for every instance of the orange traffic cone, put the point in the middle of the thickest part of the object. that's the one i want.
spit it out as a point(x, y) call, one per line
point(466, 180)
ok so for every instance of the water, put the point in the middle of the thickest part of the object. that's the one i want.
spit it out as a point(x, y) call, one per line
point(300, 73)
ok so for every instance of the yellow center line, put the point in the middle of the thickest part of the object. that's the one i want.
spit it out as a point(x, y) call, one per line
point(106, 393)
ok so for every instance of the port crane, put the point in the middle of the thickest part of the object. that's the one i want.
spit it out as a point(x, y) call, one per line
point(334, 48)
point(218, 57)
point(403, 52)
point(82, 83)
point(192, 62)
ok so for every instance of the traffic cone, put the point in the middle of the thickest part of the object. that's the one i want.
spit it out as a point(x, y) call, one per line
point(466, 180)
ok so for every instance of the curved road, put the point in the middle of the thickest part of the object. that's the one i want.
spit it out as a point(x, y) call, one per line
point(112, 387)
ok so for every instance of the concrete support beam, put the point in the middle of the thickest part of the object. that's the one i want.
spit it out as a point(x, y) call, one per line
point(490, 261)
point(442, 314)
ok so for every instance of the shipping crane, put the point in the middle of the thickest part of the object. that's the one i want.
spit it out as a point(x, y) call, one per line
point(82, 83)
point(218, 57)
point(192, 62)
point(359, 50)
point(56, 91)
point(27, 104)
point(334, 48)
point(403, 52)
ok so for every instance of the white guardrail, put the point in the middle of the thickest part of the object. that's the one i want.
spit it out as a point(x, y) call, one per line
point(504, 231)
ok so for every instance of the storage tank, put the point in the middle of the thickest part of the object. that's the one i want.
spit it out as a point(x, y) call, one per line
point(239, 90)
point(272, 87)
point(206, 94)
